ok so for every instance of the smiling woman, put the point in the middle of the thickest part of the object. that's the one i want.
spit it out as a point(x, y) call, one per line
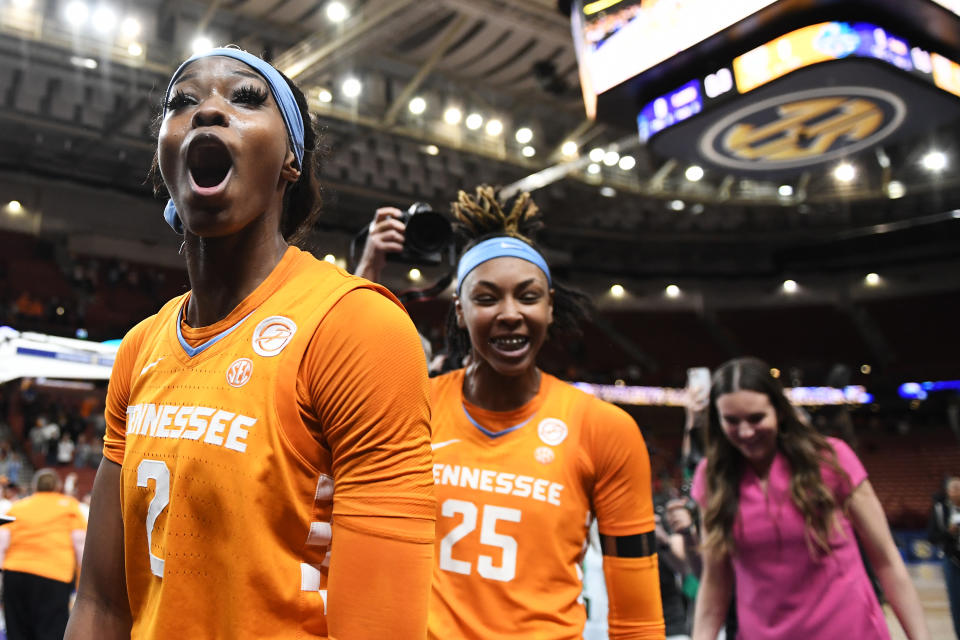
point(781, 504)
point(524, 462)
point(245, 420)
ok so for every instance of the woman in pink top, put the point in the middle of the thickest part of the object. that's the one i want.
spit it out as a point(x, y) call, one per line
point(781, 506)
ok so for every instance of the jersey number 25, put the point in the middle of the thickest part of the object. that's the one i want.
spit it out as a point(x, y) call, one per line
point(488, 536)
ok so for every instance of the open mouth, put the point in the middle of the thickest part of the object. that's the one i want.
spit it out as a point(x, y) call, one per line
point(510, 343)
point(209, 161)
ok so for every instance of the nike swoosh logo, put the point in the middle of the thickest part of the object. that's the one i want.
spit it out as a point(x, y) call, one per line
point(441, 445)
point(151, 365)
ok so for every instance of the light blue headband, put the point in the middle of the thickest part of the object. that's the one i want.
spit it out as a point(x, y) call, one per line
point(281, 94)
point(500, 247)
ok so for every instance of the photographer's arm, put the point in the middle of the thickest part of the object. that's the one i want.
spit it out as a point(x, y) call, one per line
point(386, 236)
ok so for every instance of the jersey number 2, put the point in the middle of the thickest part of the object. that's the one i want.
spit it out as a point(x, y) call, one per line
point(157, 471)
point(488, 536)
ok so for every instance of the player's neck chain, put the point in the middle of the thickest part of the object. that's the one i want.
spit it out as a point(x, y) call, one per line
point(488, 432)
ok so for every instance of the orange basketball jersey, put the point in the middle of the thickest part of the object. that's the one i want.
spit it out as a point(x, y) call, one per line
point(516, 492)
point(226, 494)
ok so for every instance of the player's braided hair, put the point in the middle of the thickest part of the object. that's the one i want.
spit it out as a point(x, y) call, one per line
point(482, 216)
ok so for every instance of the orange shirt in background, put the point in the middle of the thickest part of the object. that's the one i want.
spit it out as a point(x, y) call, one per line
point(41, 537)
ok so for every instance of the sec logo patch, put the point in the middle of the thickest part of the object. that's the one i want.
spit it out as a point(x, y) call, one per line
point(272, 335)
point(543, 455)
point(552, 431)
point(239, 372)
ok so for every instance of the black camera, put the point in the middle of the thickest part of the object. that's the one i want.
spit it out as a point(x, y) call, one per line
point(428, 238)
point(428, 234)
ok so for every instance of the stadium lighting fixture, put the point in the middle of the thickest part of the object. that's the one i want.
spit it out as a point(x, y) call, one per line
point(494, 127)
point(201, 44)
point(677, 205)
point(14, 206)
point(103, 20)
point(332, 259)
point(617, 291)
point(593, 169)
point(130, 27)
point(76, 13)
point(872, 279)
point(775, 372)
point(417, 105)
point(865, 369)
point(790, 286)
point(135, 49)
point(611, 158)
point(324, 95)
point(785, 191)
point(672, 291)
point(452, 116)
point(337, 12)
point(431, 150)
point(845, 172)
point(524, 135)
point(934, 161)
point(597, 154)
point(896, 190)
point(608, 192)
point(627, 163)
point(528, 151)
point(352, 87)
point(569, 149)
point(83, 63)
point(474, 121)
point(694, 173)
point(414, 274)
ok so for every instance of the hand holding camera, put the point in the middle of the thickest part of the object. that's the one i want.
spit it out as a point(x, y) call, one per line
point(386, 235)
point(418, 235)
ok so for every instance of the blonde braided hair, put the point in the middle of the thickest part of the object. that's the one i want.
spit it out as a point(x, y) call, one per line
point(483, 215)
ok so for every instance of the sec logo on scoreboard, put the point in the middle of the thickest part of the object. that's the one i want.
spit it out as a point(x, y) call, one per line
point(803, 128)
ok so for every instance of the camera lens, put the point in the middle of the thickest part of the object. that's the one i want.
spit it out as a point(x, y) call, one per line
point(427, 231)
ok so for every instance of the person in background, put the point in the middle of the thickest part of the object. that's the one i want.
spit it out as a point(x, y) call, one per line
point(40, 553)
point(943, 530)
point(523, 462)
point(782, 509)
point(673, 568)
point(277, 410)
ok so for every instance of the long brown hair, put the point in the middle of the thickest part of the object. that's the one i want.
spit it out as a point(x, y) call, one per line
point(805, 449)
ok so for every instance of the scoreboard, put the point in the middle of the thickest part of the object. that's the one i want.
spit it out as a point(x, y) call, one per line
point(725, 85)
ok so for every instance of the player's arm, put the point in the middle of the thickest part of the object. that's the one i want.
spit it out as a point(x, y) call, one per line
point(368, 387)
point(102, 611)
point(623, 500)
point(872, 530)
point(713, 597)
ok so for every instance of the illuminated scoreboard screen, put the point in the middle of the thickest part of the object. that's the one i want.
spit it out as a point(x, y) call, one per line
point(826, 114)
point(608, 33)
point(818, 89)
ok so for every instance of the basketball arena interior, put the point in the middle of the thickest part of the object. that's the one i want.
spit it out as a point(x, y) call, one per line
point(773, 178)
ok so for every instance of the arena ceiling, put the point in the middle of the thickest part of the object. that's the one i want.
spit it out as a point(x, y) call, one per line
point(77, 105)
